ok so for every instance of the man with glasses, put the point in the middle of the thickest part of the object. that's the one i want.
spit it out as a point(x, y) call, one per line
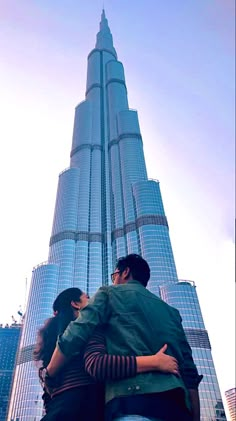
point(137, 323)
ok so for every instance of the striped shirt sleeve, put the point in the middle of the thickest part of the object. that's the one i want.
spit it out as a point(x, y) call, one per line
point(103, 366)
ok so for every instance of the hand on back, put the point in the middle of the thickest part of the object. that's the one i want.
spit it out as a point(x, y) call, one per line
point(165, 363)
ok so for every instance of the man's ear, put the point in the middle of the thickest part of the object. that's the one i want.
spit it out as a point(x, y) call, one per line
point(126, 273)
point(75, 304)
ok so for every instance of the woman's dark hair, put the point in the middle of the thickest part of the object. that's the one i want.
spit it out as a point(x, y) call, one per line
point(139, 268)
point(54, 326)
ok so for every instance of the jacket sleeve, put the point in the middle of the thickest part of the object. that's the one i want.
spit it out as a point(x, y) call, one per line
point(188, 369)
point(96, 313)
point(102, 366)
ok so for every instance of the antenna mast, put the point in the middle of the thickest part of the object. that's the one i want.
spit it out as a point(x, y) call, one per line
point(24, 308)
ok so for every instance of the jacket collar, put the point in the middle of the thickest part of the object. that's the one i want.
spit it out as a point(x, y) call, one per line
point(134, 282)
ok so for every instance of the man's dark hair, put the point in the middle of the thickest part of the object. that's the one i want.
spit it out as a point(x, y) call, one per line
point(139, 268)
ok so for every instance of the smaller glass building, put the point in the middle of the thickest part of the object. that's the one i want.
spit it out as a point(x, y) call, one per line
point(231, 402)
point(183, 296)
point(9, 339)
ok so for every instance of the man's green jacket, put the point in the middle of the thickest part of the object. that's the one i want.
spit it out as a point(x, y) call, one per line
point(136, 322)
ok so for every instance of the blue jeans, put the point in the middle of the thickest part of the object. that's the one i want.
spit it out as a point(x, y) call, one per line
point(135, 418)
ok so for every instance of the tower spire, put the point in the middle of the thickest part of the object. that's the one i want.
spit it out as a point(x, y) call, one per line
point(104, 22)
point(103, 16)
point(104, 36)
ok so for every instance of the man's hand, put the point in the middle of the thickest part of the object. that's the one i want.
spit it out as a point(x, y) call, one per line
point(158, 362)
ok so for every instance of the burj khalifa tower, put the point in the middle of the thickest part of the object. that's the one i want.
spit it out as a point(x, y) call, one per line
point(106, 207)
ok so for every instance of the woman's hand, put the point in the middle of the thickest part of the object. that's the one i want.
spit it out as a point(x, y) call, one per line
point(158, 362)
point(48, 384)
point(165, 363)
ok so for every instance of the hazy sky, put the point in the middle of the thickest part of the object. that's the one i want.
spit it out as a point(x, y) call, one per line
point(179, 65)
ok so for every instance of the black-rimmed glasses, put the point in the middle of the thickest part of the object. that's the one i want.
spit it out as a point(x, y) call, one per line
point(113, 275)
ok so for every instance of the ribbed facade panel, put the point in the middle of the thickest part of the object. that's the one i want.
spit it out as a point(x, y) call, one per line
point(95, 273)
point(133, 164)
point(66, 209)
point(84, 158)
point(95, 223)
point(118, 219)
point(154, 233)
point(82, 126)
point(127, 121)
point(183, 296)
point(26, 401)
point(116, 98)
point(115, 71)
point(42, 292)
point(133, 243)
point(94, 71)
point(63, 254)
point(119, 248)
point(148, 198)
point(94, 98)
point(132, 170)
point(231, 402)
point(81, 265)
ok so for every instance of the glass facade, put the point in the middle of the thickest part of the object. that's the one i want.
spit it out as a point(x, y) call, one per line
point(183, 296)
point(106, 207)
point(9, 341)
point(26, 402)
point(231, 402)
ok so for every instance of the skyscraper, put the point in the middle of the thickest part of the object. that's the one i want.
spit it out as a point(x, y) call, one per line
point(106, 207)
point(9, 341)
point(182, 295)
point(231, 402)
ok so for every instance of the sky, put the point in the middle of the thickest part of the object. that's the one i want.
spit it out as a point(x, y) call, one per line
point(179, 60)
